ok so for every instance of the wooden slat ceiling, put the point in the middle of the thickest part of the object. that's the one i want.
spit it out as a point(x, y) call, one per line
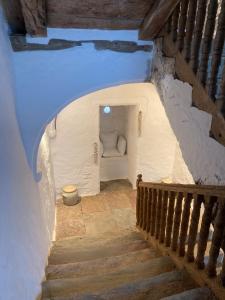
point(32, 16)
point(110, 14)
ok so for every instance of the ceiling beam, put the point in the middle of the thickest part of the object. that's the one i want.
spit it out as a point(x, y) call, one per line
point(34, 13)
point(156, 18)
point(14, 15)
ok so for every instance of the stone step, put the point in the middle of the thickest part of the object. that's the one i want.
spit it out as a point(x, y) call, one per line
point(100, 265)
point(79, 241)
point(69, 286)
point(194, 294)
point(151, 288)
point(71, 253)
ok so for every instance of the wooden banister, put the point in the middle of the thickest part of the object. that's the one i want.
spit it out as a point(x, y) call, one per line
point(195, 36)
point(180, 217)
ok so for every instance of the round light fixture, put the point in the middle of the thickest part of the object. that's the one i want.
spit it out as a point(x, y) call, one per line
point(107, 109)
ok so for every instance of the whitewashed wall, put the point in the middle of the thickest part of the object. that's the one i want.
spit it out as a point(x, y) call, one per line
point(204, 157)
point(25, 232)
point(78, 130)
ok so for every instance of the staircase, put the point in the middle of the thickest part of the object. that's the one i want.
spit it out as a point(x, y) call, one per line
point(121, 266)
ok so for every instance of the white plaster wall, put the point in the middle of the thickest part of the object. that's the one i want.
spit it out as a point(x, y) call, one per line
point(78, 130)
point(24, 233)
point(132, 139)
point(116, 120)
point(204, 157)
point(47, 185)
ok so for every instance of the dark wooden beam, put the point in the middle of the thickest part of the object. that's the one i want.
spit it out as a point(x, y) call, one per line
point(19, 43)
point(34, 13)
point(102, 14)
point(157, 18)
point(14, 16)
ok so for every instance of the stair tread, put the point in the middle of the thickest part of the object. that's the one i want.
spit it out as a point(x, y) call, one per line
point(153, 288)
point(100, 265)
point(99, 238)
point(73, 253)
point(68, 286)
point(203, 293)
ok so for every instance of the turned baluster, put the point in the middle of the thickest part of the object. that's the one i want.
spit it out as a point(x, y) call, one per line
point(217, 52)
point(169, 25)
point(200, 18)
point(207, 40)
point(217, 238)
point(158, 213)
point(142, 207)
point(222, 274)
point(204, 231)
point(177, 218)
point(163, 216)
point(138, 200)
point(189, 28)
point(145, 209)
point(175, 19)
point(221, 97)
point(184, 223)
point(195, 216)
point(149, 210)
point(169, 221)
point(182, 24)
point(153, 211)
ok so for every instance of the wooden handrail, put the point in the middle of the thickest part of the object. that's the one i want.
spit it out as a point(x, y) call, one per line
point(216, 190)
point(179, 217)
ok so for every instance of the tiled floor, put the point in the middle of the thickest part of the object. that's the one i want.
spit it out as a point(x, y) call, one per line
point(112, 210)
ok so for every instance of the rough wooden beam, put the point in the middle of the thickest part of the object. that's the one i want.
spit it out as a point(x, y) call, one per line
point(103, 14)
point(157, 18)
point(14, 15)
point(19, 43)
point(34, 12)
point(199, 94)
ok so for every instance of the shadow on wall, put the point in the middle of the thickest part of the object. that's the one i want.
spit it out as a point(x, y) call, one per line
point(203, 155)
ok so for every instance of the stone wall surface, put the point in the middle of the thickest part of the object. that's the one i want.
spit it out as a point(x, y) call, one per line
point(25, 232)
point(204, 157)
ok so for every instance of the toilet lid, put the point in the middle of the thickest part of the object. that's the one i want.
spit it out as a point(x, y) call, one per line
point(69, 188)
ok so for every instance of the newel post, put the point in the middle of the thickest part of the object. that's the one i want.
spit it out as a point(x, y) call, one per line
point(138, 202)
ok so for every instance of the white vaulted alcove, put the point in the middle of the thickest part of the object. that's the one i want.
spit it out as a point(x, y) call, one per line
point(136, 117)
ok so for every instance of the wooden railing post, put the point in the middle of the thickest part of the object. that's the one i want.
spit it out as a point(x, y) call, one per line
point(176, 223)
point(217, 52)
point(169, 221)
point(207, 40)
point(153, 211)
point(198, 29)
point(158, 213)
point(149, 208)
point(138, 201)
point(189, 29)
point(204, 231)
point(163, 216)
point(184, 223)
point(145, 208)
point(217, 238)
point(194, 227)
point(222, 275)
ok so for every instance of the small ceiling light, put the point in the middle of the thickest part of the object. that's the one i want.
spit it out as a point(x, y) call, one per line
point(107, 109)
